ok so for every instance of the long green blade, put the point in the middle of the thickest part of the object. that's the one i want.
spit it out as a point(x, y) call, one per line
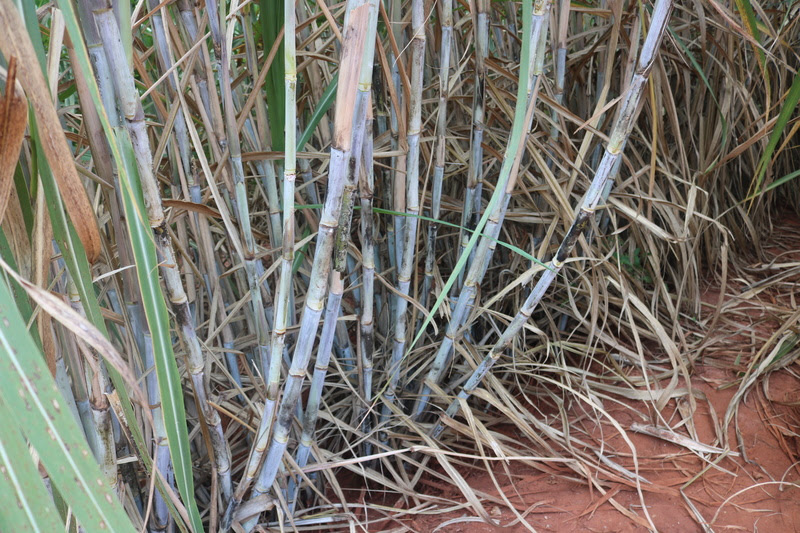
point(29, 506)
point(37, 408)
point(155, 308)
point(271, 18)
point(322, 108)
point(789, 105)
point(20, 297)
point(381, 211)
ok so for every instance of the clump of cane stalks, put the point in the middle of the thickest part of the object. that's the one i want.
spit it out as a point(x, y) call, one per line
point(253, 249)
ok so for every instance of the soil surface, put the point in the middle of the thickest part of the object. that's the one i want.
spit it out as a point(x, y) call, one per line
point(753, 486)
point(758, 493)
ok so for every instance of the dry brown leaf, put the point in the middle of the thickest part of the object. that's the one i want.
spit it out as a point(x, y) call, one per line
point(192, 206)
point(13, 120)
point(14, 42)
point(17, 235)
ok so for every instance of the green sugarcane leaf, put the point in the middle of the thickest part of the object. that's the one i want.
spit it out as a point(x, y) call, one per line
point(28, 14)
point(751, 25)
point(38, 409)
point(271, 18)
point(169, 380)
point(300, 255)
point(381, 211)
point(789, 105)
point(509, 246)
point(28, 505)
point(25, 204)
point(324, 104)
point(782, 180)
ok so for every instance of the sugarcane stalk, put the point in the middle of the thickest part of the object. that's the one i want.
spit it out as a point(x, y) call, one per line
point(252, 139)
point(412, 204)
point(601, 78)
point(398, 197)
point(164, 56)
point(130, 107)
point(561, 63)
point(101, 152)
point(180, 136)
point(65, 387)
point(79, 389)
point(472, 198)
point(261, 301)
point(324, 351)
point(160, 519)
point(98, 381)
point(249, 249)
point(342, 345)
point(382, 248)
point(535, 22)
point(206, 251)
point(261, 305)
point(613, 152)
point(208, 257)
point(354, 165)
point(363, 101)
point(354, 53)
point(367, 319)
point(214, 23)
point(441, 145)
point(560, 75)
point(190, 23)
point(355, 38)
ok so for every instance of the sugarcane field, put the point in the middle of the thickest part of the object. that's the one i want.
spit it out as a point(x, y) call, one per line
point(421, 266)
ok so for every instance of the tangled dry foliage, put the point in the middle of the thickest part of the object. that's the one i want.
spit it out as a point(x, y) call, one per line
point(707, 169)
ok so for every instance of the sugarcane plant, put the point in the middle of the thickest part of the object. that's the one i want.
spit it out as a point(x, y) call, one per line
point(409, 237)
point(472, 199)
point(441, 143)
point(278, 341)
point(585, 214)
point(535, 20)
point(348, 130)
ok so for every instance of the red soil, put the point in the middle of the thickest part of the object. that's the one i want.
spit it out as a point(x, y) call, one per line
point(760, 495)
